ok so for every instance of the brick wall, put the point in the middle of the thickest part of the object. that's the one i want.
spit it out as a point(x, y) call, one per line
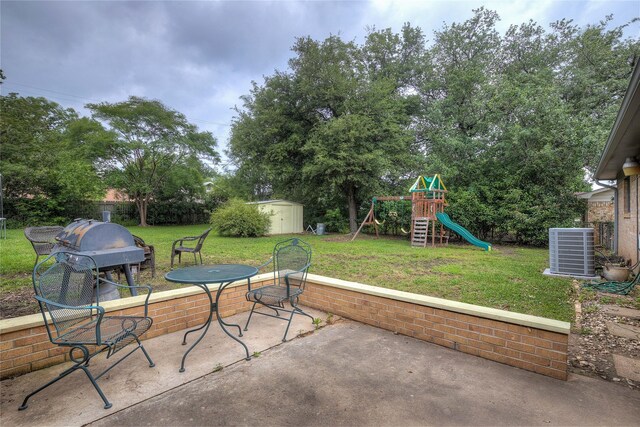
point(537, 350)
point(498, 335)
point(28, 349)
point(600, 212)
point(628, 222)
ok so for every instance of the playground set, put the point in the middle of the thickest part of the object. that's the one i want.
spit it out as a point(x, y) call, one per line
point(428, 219)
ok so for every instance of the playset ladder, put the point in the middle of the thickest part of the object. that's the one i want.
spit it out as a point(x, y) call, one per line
point(420, 231)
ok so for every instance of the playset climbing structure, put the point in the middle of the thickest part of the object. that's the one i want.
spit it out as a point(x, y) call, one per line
point(428, 219)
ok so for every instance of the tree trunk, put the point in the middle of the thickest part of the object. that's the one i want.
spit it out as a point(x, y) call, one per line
point(142, 204)
point(353, 211)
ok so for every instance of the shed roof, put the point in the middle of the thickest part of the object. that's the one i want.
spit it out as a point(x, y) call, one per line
point(265, 202)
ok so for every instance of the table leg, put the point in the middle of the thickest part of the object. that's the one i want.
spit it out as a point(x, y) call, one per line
point(205, 325)
point(223, 323)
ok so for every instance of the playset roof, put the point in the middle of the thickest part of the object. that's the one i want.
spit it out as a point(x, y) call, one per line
point(426, 184)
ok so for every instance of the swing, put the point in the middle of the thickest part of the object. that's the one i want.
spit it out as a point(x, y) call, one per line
point(394, 216)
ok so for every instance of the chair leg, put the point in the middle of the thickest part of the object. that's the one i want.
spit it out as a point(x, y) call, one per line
point(151, 364)
point(250, 314)
point(294, 309)
point(200, 257)
point(61, 376)
point(195, 259)
point(173, 254)
point(107, 404)
point(79, 364)
point(284, 338)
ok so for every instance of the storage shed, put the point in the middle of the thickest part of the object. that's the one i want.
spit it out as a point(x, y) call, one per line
point(286, 218)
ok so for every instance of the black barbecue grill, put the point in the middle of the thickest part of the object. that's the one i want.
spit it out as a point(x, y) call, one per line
point(110, 245)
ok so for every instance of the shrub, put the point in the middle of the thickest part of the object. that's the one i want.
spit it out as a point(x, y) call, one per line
point(336, 222)
point(238, 219)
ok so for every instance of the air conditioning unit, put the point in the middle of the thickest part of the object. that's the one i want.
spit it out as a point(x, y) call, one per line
point(571, 251)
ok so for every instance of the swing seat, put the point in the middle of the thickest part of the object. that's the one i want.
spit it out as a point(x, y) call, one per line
point(405, 232)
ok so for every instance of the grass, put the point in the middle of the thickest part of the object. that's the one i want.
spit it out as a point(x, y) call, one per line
point(508, 277)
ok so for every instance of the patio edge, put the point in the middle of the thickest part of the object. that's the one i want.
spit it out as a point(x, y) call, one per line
point(529, 342)
point(454, 306)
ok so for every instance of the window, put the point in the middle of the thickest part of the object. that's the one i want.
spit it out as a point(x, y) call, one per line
point(627, 195)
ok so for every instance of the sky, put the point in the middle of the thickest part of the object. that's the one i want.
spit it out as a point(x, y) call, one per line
point(200, 57)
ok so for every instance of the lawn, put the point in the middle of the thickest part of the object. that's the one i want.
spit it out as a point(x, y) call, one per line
point(508, 277)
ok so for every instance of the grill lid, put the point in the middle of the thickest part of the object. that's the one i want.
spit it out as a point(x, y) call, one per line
point(91, 235)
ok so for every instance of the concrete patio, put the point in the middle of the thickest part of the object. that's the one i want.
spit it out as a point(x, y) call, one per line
point(346, 373)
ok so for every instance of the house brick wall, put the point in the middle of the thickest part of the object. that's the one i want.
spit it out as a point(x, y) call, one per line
point(25, 349)
point(600, 212)
point(628, 222)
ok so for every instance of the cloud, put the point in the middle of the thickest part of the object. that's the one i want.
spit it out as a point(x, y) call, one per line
point(200, 57)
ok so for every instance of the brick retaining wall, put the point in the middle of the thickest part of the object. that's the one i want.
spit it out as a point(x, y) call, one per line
point(522, 346)
point(528, 342)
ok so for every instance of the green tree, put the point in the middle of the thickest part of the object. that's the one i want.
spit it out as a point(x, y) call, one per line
point(154, 148)
point(512, 122)
point(598, 62)
point(338, 122)
point(48, 151)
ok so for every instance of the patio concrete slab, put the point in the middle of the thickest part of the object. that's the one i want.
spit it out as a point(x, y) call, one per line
point(352, 374)
point(344, 374)
point(627, 367)
point(74, 401)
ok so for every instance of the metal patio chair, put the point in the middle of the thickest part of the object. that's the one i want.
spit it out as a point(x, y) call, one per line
point(291, 261)
point(68, 291)
point(194, 250)
point(42, 239)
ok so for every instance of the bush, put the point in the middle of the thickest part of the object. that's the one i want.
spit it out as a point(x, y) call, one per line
point(238, 219)
point(336, 222)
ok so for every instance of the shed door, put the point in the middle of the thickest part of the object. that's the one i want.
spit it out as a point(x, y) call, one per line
point(285, 219)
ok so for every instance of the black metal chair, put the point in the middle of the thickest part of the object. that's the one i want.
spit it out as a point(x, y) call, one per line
point(291, 261)
point(68, 290)
point(194, 250)
point(42, 239)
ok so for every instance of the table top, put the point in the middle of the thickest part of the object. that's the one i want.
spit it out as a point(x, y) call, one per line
point(203, 274)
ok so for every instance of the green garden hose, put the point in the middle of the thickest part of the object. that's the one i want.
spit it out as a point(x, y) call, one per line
point(620, 288)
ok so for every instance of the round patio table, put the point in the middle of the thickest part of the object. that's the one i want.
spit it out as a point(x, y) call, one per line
point(201, 276)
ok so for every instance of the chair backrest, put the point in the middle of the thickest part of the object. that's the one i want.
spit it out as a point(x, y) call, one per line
point(201, 240)
point(69, 281)
point(42, 238)
point(291, 258)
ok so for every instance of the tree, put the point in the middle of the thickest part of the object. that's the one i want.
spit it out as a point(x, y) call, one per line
point(153, 144)
point(513, 121)
point(338, 120)
point(598, 65)
point(48, 151)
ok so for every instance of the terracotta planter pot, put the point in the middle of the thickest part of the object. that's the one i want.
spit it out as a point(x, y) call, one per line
point(615, 273)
